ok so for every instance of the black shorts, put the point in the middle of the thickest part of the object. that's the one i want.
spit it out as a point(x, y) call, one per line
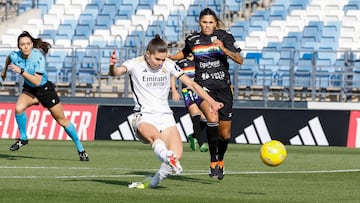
point(46, 94)
point(225, 96)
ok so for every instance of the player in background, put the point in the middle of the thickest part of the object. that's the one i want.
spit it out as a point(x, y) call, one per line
point(192, 102)
point(29, 62)
point(212, 47)
point(153, 120)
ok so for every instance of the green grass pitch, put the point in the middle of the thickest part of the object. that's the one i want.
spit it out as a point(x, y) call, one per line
point(49, 171)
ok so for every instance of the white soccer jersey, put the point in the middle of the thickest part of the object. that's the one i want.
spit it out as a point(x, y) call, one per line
point(151, 87)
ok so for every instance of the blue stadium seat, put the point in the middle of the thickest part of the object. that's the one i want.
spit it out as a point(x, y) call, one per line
point(312, 31)
point(66, 29)
point(239, 32)
point(191, 22)
point(246, 77)
point(86, 77)
point(171, 34)
point(284, 77)
point(174, 20)
point(53, 74)
point(103, 21)
point(86, 19)
point(352, 5)
point(127, 10)
point(48, 34)
point(260, 23)
point(263, 77)
point(89, 62)
point(83, 30)
point(254, 55)
point(277, 15)
point(302, 78)
point(152, 30)
point(92, 9)
point(322, 79)
point(232, 5)
point(260, 15)
point(193, 10)
point(115, 2)
point(132, 41)
point(134, 3)
point(290, 42)
point(44, 8)
point(54, 62)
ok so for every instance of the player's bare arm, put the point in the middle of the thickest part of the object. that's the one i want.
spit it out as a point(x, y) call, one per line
point(3, 72)
point(177, 56)
point(201, 92)
point(114, 71)
point(235, 56)
point(34, 79)
point(174, 91)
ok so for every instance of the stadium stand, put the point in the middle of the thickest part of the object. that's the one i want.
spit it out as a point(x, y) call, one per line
point(299, 45)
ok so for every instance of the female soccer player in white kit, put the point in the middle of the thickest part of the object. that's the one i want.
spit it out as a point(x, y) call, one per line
point(153, 121)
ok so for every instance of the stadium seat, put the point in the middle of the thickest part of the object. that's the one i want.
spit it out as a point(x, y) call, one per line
point(263, 77)
point(239, 32)
point(92, 9)
point(246, 77)
point(66, 29)
point(54, 61)
point(171, 34)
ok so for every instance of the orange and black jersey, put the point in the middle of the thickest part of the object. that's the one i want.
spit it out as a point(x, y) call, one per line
point(211, 65)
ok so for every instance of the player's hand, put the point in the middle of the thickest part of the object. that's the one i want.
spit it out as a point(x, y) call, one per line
point(175, 95)
point(3, 74)
point(113, 58)
point(215, 106)
point(218, 43)
point(15, 68)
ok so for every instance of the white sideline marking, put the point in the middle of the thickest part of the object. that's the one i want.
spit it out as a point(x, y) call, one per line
point(189, 173)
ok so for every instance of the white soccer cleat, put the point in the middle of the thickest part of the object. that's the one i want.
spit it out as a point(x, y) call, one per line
point(173, 162)
point(141, 185)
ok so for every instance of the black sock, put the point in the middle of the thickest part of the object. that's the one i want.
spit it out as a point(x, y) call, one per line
point(197, 128)
point(203, 124)
point(212, 137)
point(223, 144)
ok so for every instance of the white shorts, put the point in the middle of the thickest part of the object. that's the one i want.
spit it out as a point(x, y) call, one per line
point(161, 121)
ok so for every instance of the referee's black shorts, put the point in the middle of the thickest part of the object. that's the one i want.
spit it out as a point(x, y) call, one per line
point(46, 94)
point(225, 96)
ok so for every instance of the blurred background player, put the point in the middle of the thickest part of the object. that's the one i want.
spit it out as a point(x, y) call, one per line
point(211, 48)
point(30, 63)
point(192, 102)
point(153, 120)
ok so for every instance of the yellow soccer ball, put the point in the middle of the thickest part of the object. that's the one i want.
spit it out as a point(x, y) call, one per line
point(273, 153)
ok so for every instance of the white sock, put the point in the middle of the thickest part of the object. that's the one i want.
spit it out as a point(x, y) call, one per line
point(160, 149)
point(163, 172)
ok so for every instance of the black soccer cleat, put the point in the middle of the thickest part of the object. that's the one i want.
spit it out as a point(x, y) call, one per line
point(83, 156)
point(214, 172)
point(18, 144)
point(221, 173)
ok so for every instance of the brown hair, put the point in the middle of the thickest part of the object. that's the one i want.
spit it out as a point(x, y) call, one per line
point(37, 42)
point(208, 11)
point(157, 45)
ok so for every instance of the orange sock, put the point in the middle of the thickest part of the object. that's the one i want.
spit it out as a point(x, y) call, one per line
point(221, 164)
point(213, 164)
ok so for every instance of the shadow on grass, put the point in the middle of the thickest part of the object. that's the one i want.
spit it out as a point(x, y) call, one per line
point(18, 157)
point(191, 179)
point(177, 177)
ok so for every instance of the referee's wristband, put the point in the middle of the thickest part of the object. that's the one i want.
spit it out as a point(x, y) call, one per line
point(22, 71)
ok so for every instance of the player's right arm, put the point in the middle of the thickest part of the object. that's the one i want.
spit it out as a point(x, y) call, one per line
point(177, 56)
point(3, 72)
point(174, 91)
point(114, 71)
